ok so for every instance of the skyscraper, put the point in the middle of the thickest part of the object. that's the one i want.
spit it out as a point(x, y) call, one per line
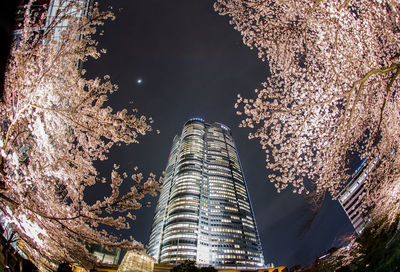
point(204, 211)
point(352, 197)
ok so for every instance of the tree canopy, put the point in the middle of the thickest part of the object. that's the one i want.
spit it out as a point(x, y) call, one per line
point(332, 93)
point(54, 125)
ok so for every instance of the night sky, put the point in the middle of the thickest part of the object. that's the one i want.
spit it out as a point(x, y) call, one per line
point(192, 63)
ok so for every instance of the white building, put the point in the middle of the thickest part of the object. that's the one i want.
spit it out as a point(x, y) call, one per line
point(204, 212)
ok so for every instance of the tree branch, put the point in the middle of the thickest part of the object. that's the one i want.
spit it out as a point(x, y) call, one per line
point(388, 87)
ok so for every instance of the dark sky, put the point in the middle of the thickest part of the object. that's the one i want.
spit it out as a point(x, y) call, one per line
point(193, 64)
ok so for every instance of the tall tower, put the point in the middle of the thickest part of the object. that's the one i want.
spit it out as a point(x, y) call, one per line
point(352, 197)
point(204, 212)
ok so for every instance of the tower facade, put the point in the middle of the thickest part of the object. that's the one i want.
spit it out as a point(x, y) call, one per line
point(352, 197)
point(204, 212)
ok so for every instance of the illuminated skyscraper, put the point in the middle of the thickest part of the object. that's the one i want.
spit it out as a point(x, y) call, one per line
point(204, 212)
point(352, 197)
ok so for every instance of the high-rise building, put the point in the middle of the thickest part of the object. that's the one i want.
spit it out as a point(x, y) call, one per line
point(352, 197)
point(204, 212)
point(54, 11)
point(57, 5)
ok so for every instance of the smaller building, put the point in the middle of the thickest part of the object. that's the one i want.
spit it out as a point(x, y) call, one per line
point(99, 268)
point(136, 261)
point(104, 255)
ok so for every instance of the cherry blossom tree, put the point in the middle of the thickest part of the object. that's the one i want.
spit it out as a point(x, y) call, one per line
point(333, 89)
point(54, 126)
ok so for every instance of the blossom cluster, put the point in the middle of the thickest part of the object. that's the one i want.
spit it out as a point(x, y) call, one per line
point(332, 93)
point(54, 126)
